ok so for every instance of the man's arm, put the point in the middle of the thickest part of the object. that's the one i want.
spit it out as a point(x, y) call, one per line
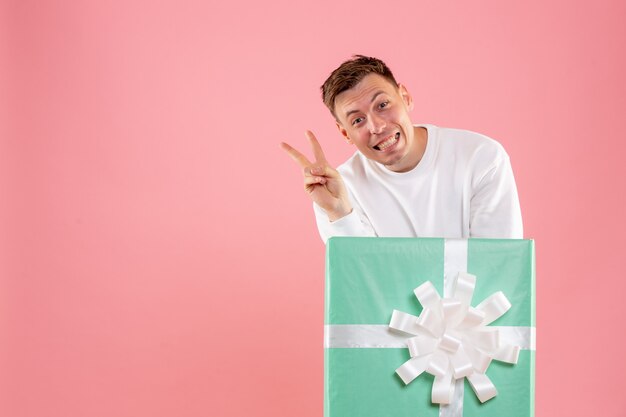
point(335, 213)
point(354, 224)
point(494, 207)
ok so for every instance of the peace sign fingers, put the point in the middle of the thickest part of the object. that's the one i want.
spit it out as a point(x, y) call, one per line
point(295, 155)
point(320, 158)
point(321, 181)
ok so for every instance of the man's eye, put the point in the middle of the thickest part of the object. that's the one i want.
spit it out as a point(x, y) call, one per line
point(383, 104)
point(357, 121)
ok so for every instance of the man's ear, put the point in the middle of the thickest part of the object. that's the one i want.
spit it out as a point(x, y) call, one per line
point(344, 133)
point(406, 96)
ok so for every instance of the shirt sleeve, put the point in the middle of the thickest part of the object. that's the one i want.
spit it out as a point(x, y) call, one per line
point(494, 207)
point(354, 224)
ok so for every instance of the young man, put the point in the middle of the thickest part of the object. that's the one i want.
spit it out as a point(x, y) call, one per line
point(404, 180)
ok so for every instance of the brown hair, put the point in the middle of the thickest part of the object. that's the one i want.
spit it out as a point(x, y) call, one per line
point(349, 74)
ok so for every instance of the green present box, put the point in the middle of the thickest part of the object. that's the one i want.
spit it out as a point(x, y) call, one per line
point(368, 278)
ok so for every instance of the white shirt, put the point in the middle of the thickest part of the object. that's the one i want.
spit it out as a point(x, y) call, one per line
point(462, 187)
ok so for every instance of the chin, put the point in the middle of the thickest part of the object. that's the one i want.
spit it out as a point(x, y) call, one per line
point(395, 164)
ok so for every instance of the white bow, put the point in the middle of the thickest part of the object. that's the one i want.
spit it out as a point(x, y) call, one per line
point(451, 339)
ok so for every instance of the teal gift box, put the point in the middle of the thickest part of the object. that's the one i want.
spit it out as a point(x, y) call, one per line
point(368, 278)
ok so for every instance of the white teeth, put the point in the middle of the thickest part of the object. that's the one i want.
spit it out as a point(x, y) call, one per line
point(387, 143)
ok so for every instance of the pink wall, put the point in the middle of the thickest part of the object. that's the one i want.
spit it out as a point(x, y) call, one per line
point(157, 254)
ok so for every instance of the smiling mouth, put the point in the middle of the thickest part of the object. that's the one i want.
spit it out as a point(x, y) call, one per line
point(388, 142)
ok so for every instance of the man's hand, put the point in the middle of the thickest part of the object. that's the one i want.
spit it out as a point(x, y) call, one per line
point(321, 181)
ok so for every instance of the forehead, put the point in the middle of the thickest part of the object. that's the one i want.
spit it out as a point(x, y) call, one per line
point(362, 94)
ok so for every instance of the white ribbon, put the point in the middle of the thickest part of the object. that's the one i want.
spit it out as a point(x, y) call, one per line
point(451, 339)
point(338, 336)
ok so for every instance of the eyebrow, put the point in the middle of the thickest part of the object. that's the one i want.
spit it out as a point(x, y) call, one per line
point(379, 92)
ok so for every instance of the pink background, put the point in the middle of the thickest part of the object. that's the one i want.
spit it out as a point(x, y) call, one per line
point(158, 256)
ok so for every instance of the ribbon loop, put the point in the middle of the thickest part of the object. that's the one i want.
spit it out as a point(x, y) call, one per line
point(464, 288)
point(473, 318)
point(482, 386)
point(449, 343)
point(461, 364)
point(428, 296)
point(480, 360)
point(494, 307)
point(430, 321)
point(443, 389)
point(404, 322)
point(412, 368)
point(454, 311)
point(438, 364)
point(420, 346)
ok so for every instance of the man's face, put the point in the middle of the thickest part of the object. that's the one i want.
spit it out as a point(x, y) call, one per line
point(374, 116)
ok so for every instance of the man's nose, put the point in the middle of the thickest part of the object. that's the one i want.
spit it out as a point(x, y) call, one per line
point(376, 124)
